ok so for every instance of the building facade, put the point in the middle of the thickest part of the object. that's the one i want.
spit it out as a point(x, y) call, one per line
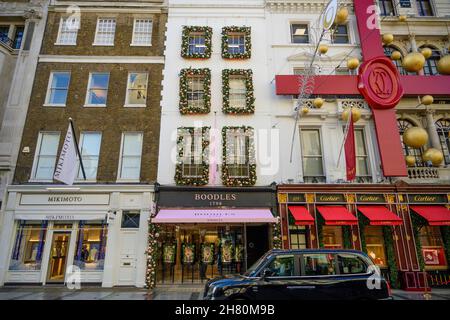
point(100, 64)
point(22, 25)
point(391, 218)
point(216, 208)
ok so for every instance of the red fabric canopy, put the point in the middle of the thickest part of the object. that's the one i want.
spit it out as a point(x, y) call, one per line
point(337, 215)
point(301, 215)
point(380, 216)
point(435, 215)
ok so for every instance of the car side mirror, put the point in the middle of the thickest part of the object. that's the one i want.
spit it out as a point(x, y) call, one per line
point(266, 273)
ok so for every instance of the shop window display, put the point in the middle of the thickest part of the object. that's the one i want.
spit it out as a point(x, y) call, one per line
point(332, 237)
point(28, 246)
point(432, 247)
point(91, 245)
point(375, 245)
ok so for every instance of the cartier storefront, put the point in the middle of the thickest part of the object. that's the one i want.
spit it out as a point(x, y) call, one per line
point(206, 232)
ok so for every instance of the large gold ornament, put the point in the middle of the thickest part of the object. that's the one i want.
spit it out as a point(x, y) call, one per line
point(356, 113)
point(427, 100)
point(415, 137)
point(410, 161)
point(352, 63)
point(396, 55)
point(433, 155)
point(443, 65)
point(318, 102)
point(413, 62)
point(388, 38)
point(402, 18)
point(305, 110)
point(426, 52)
point(323, 48)
point(341, 16)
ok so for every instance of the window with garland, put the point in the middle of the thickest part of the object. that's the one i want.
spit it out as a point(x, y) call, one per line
point(239, 167)
point(196, 42)
point(195, 95)
point(237, 91)
point(404, 124)
point(192, 156)
point(236, 42)
point(443, 129)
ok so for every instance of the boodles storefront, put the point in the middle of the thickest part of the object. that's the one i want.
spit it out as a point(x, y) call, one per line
point(204, 232)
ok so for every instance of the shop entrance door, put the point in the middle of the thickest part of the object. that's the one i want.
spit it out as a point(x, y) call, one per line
point(58, 257)
point(257, 243)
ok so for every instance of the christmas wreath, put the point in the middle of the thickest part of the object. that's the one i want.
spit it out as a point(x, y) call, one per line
point(249, 99)
point(201, 30)
point(246, 31)
point(185, 74)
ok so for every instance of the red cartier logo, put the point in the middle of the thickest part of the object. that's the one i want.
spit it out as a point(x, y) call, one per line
point(379, 83)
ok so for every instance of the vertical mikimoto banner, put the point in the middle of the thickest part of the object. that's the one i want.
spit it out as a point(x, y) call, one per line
point(66, 168)
point(350, 150)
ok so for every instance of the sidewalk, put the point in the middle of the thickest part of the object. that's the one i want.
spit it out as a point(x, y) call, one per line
point(162, 292)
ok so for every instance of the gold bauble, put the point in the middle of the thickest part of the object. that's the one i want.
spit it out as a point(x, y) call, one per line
point(318, 102)
point(305, 110)
point(396, 55)
point(410, 161)
point(402, 18)
point(415, 137)
point(355, 112)
point(427, 100)
point(352, 63)
point(433, 155)
point(341, 16)
point(413, 62)
point(323, 48)
point(426, 52)
point(388, 38)
point(443, 65)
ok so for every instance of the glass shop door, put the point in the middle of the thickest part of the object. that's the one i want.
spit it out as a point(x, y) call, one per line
point(58, 257)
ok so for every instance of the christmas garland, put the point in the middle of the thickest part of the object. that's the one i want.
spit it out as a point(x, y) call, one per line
point(276, 234)
point(244, 181)
point(195, 181)
point(417, 223)
point(320, 223)
point(184, 86)
point(445, 231)
point(363, 222)
point(187, 31)
point(249, 99)
point(347, 237)
point(390, 256)
point(152, 254)
point(248, 43)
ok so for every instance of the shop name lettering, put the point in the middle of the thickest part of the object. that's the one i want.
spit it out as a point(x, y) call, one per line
point(329, 198)
point(215, 197)
point(425, 198)
point(369, 198)
point(64, 199)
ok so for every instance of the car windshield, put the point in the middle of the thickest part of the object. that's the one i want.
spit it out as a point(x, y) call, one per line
point(256, 264)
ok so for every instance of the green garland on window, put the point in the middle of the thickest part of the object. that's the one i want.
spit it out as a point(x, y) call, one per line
point(417, 223)
point(363, 222)
point(249, 99)
point(445, 231)
point(152, 254)
point(347, 237)
point(276, 235)
point(320, 223)
point(390, 256)
point(245, 181)
point(179, 178)
point(187, 30)
point(184, 86)
point(248, 43)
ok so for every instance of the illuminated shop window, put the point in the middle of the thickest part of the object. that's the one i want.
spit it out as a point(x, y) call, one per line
point(375, 245)
point(91, 245)
point(332, 237)
point(297, 236)
point(432, 247)
point(28, 245)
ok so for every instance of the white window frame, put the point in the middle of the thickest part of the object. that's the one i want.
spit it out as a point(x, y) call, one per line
point(49, 87)
point(58, 39)
point(324, 169)
point(79, 177)
point(367, 155)
point(37, 155)
point(96, 43)
point(239, 160)
point(236, 34)
point(290, 39)
point(193, 157)
point(86, 102)
point(133, 40)
point(119, 171)
point(233, 92)
point(131, 105)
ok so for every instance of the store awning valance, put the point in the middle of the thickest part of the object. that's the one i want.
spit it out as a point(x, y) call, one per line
point(337, 215)
point(301, 215)
point(435, 215)
point(380, 216)
point(214, 216)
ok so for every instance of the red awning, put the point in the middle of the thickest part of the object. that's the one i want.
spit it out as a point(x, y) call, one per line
point(435, 215)
point(301, 215)
point(337, 215)
point(380, 216)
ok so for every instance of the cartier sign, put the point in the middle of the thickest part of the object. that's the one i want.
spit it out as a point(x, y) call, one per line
point(372, 198)
point(427, 198)
point(202, 198)
point(330, 197)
